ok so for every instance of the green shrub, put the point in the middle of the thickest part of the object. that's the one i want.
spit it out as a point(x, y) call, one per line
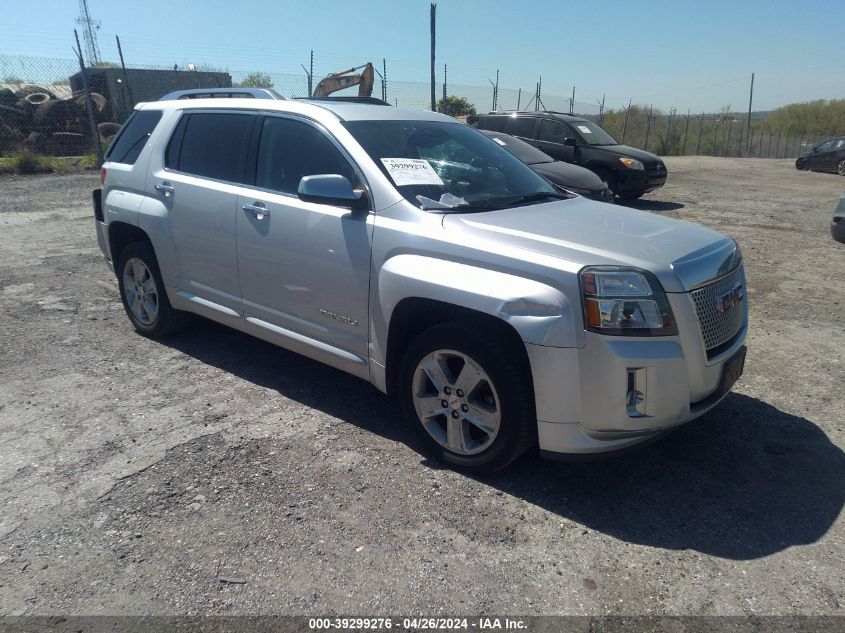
point(27, 162)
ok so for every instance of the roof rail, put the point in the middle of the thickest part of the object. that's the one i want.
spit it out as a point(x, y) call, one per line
point(350, 99)
point(233, 93)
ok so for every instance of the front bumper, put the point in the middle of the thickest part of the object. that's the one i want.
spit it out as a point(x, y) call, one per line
point(632, 181)
point(582, 394)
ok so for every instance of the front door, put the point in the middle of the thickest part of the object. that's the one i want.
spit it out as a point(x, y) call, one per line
point(304, 267)
point(551, 138)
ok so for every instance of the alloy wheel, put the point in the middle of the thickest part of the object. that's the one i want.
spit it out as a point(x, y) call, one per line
point(456, 402)
point(140, 291)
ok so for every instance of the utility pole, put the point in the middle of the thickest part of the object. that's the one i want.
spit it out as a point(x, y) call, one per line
point(384, 78)
point(311, 74)
point(572, 102)
point(601, 110)
point(748, 126)
point(89, 34)
point(496, 92)
point(433, 27)
point(518, 99)
point(700, 129)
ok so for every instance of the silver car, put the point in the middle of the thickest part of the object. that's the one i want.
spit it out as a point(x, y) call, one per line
point(412, 251)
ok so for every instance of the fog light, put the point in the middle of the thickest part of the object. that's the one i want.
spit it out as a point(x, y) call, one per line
point(635, 395)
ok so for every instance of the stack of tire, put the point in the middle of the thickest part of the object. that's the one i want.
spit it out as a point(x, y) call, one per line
point(35, 118)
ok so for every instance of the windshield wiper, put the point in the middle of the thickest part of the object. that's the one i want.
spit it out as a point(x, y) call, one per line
point(533, 197)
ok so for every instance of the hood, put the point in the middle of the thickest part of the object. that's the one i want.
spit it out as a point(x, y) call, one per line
point(631, 152)
point(567, 175)
point(584, 232)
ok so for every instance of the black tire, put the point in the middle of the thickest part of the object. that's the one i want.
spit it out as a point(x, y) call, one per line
point(840, 167)
point(37, 98)
point(15, 118)
point(57, 116)
point(509, 374)
point(631, 196)
point(168, 320)
point(107, 131)
point(801, 164)
point(7, 97)
point(32, 89)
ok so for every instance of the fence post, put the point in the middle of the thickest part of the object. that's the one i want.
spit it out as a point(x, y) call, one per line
point(777, 146)
point(686, 130)
point(728, 138)
point(625, 122)
point(647, 127)
point(89, 104)
point(715, 132)
point(125, 78)
point(700, 129)
point(443, 109)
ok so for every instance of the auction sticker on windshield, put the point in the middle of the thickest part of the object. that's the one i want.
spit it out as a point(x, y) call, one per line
point(411, 171)
point(584, 129)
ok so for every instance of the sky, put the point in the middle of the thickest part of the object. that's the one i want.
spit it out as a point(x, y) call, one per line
point(676, 53)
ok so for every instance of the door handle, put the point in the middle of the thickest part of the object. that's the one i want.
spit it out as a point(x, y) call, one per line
point(257, 209)
point(164, 188)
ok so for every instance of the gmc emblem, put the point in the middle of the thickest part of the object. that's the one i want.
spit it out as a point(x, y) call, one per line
point(731, 298)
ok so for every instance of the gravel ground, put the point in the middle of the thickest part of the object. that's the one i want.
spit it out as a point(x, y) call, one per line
point(217, 474)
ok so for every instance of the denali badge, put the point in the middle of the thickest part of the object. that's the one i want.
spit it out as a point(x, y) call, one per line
point(339, 317)
point(731, 298)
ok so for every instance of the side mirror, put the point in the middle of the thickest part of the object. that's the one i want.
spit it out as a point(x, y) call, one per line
point(331, 189)
point(570, 142)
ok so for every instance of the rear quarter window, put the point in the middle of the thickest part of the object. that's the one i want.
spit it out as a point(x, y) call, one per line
point(492, 123)
point(132, 137)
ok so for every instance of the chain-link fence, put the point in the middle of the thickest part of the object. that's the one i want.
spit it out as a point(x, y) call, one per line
point(43, 108)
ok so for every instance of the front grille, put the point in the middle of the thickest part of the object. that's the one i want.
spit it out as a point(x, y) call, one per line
point(719, 327)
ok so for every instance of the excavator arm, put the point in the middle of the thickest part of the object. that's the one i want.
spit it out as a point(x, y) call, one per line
point(345, 79)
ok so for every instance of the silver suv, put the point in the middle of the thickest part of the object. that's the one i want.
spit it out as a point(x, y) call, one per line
point(412, 251)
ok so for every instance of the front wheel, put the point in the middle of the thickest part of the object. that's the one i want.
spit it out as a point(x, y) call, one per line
point(143, 294)
point(801, 164)
point(468, 397)
point(840, 167)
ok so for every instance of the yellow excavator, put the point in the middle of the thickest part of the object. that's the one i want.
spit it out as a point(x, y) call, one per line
point(345, 79)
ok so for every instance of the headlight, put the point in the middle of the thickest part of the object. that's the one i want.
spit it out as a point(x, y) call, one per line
point(624, 301)
point(631, 163)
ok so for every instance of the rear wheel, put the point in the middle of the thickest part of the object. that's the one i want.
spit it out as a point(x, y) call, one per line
point(143, 294)
point(840, 167)
point(467, 397)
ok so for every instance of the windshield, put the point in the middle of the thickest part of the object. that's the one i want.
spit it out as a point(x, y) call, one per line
point(528, 154)
point(592, 133)
point(449, 167)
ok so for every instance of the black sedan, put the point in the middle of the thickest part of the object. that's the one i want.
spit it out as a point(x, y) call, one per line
point(826, 156)
point(562, 175)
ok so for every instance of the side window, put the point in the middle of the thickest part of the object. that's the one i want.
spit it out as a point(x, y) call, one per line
point(840, 144)
point(214, 145)
point(521, 126)
point(554, 131)
point(132, 137)
point(291, 149)
point(825, 146)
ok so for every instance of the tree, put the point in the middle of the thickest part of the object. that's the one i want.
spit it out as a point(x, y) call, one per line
point(257, 80)
point(456, 106)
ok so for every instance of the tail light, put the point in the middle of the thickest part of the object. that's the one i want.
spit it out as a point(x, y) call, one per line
point(102, 176)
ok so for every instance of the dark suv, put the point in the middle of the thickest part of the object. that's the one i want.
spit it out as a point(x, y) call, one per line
point(629, 172)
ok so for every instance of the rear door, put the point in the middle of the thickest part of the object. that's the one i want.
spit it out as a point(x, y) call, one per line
point(304, 267)
point(523, 127)
point(203, 170)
